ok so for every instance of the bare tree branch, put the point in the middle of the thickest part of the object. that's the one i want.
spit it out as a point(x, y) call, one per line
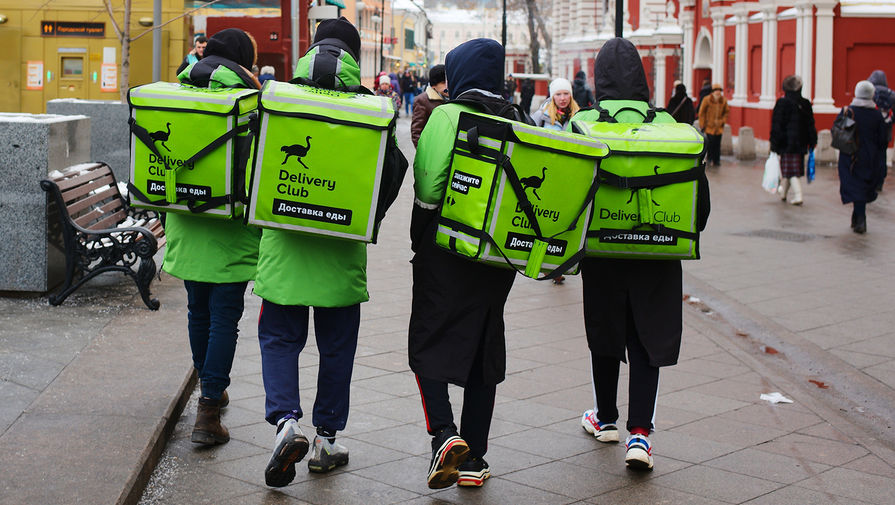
point(206, 4)
point(112, 18)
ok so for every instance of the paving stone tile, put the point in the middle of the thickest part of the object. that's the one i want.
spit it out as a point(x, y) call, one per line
point(14, 399)
point(729, 431)
point(821, 450)
point(767, 466)
point(545, 443)
point(884, 372)
point(610, 459)
point(408, 439)
point(716, 484)
point(408, 473)
point(669, 417)
point(649, 494)
point(881, 346)
point(499, 490)
point(390, 361)
point(874, 465)
point(27, 369)
point(674, 379)
point(267, 497)
point(532, 413)
point(394, 384)
point(346, 489)
point(779, 416)
point(733, 389)
point(366, 422)
point(853, 484)
point(505, 460)
point(827, 431)
point(860, 360)
point(405, 409)
point(425, 500)
point(570, 480)
point(698, 402)
point(582, 396)
point(704, 366)
point(687, 447)
point(795, 494)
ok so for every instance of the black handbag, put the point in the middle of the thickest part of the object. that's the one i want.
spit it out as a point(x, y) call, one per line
point(844, 132)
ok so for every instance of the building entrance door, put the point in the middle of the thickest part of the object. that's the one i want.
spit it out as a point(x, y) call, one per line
point(10, 70)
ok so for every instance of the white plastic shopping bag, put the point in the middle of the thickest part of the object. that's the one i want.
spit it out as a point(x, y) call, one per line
point(771, 178)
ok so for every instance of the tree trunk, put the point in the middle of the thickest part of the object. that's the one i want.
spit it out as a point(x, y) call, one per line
point(534, 44)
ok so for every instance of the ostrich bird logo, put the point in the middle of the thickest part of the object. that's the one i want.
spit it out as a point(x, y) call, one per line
point(162, 136)
point(534, 182)
point(297, 150)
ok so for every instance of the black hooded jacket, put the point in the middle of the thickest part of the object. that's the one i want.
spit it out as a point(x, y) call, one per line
point(482, 82)
point(618, 73)
point(231, 48)
point(580, 92)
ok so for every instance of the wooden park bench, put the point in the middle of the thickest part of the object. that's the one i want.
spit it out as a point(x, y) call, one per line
point(101, 233)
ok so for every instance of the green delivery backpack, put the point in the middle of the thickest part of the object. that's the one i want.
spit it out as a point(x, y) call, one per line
point(323, 162)
point(519, 196)
point(189, 148)
point(646, 204)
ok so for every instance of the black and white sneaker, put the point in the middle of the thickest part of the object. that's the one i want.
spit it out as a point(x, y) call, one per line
point(291, 445)
point(474, 472)
point(449, 451)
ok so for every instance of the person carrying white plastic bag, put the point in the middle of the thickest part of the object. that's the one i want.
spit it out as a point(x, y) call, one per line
point(771, 178)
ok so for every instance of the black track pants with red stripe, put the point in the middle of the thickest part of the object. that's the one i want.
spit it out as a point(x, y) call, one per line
point(475, 421)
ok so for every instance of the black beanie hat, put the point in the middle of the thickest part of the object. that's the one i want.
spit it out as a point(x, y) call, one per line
point(436, 74)
point(340, 29)
point(233, 44)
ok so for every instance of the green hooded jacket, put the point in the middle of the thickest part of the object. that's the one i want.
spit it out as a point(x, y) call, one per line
point(210, 250)
point(312, 270)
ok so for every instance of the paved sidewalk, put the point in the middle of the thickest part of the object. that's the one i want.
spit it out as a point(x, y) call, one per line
point(784, 296)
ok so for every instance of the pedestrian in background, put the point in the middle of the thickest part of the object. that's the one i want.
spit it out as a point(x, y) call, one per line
point(385, 89)
point(792, 135)
point(526, 93)
point(195, 54)
point(631, 306)
point(861, 173)
point(884, 98)
point(297, 272)
point(408, 89)
point(435, 95)
point(704, 91)
point(456, 334)
point(559, 109)
point(509, 89)
point(267, 73)
point(582, 94)
point(216, 258)
point(712, 116)
point(680, 106)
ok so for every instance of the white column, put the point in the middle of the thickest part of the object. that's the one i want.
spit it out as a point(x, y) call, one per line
point(742, 56)
point(804, 45)
point(718, 53)
point(823, 64)
point(686, 18)
point(659, 60)
point(769, 54)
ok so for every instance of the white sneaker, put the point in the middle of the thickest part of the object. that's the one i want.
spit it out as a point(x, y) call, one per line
point(603, 432)
point(640, 452)
point(291, 445)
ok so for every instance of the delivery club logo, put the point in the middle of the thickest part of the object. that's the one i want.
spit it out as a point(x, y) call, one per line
point(161, 136)
point(534, 182)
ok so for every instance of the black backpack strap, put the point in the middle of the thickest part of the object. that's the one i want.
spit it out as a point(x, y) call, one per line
point(650, 181)
point(524, 202)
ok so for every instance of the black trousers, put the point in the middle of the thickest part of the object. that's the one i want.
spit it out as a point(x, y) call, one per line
point(643, 384)
point(712, 148)
point(478, 407)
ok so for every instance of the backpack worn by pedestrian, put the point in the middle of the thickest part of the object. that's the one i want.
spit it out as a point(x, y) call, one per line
point(190, 147)
point(304, 179)
point(648, 198)
point(519, 196)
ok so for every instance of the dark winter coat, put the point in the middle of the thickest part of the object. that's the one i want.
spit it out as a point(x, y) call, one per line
point(680, 106)
point(408, 83)
point(580, 92)
point(884, 98)
point(792, 124)
point(859, 178)
point(640, 297)
point(457, 306)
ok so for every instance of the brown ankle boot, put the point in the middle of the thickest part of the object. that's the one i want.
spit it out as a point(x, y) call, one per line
point(208, 429)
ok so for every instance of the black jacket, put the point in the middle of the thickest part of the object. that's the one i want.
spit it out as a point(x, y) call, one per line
point(680, 106)
point(580, 92)
point(621, 296)
point(859, 176)
point(792, 124)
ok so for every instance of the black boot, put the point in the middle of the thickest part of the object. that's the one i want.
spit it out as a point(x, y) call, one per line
point(861, 224)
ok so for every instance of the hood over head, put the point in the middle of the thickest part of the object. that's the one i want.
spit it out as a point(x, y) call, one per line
point(878, 78)
point(618, 72)
point(234, 45)
point(342, 30)
point(680, 90)
point(475, 64)
point(580, 75)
